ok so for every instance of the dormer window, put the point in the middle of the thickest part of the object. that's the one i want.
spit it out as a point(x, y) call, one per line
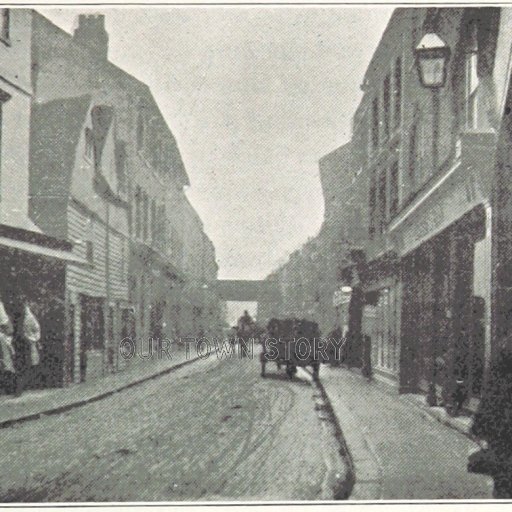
point(89, 145)
point(5, 22)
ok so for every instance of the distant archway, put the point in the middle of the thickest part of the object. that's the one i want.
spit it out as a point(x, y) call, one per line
point(237, 290)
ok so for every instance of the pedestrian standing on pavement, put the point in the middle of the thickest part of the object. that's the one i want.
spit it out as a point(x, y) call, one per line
point(366, 367)
point(6, 352)
point(26, 339)
point(493, 423)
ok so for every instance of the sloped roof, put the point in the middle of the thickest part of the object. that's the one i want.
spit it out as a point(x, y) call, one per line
point(176, 166)
point(100, 74)
point(55, 131)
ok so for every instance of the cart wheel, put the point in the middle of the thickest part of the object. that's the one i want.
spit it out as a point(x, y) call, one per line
point(263, 369)
point(316, 371)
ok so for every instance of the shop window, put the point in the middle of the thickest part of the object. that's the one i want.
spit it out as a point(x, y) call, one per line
point(397, 92)
point(386, 100)
point(5, 20)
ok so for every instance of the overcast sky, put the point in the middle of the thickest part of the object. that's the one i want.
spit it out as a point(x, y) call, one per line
point(255, 96)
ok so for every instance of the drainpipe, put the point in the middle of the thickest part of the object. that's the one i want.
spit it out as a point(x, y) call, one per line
point(107, 274)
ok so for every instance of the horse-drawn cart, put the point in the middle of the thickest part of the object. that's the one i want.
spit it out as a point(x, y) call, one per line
point(291, 343)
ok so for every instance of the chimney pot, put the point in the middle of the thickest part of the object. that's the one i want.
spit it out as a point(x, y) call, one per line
point(91, 33)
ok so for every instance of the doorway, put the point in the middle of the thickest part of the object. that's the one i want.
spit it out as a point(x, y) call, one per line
point(92, 334)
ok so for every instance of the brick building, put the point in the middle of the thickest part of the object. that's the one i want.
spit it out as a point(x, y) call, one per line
point(427, 272)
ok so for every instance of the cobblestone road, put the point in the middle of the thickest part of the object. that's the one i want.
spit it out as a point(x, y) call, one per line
point(214, 430)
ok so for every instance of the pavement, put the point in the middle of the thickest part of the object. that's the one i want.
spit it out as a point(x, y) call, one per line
point(33, 404)
point(398, 450)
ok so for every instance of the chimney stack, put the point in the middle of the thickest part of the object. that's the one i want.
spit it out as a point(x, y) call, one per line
point(91, 33)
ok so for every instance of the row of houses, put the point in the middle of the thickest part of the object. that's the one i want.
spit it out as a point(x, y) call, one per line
point(95, 228)
point(404, 257)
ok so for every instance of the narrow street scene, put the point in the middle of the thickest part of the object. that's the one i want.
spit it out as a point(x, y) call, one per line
point(255, 253)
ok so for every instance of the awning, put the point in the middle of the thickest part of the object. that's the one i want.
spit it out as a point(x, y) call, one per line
point(58, 254)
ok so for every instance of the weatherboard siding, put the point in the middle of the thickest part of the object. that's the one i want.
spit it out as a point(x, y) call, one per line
point(92, 279)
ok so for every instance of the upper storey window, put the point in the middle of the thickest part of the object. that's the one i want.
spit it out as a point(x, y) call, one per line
point(386, 107)
point(471, 90)
point(375, 123)
point(471, 79)
point(397, 92)
point(5, 24)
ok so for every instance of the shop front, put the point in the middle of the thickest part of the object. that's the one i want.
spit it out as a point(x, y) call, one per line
point(381, 316)
point(444, 243)
point(33, 267)
point(154, 290)
point(443, 315)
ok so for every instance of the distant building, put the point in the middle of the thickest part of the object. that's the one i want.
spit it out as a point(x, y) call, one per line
point(312, 277)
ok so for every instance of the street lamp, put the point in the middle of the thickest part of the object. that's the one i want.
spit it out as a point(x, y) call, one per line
point(432, 55)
